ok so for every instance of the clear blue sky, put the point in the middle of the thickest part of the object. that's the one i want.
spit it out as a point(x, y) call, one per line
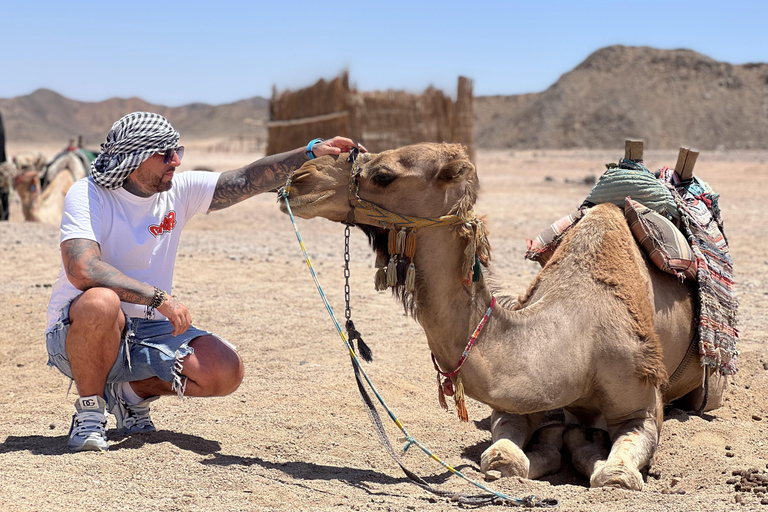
point(220, 51)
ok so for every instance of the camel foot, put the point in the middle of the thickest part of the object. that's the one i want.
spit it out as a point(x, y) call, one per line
point(506, 457)
point(617, 475)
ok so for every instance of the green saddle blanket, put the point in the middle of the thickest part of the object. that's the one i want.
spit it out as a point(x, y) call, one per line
point(632, 179)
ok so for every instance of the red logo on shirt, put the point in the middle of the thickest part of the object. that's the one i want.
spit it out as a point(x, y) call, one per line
point(168, 223)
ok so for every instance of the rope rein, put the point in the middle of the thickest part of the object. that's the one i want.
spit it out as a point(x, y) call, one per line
point(491, 496)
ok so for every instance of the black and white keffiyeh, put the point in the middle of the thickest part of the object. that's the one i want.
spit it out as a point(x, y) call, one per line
point(132, 139)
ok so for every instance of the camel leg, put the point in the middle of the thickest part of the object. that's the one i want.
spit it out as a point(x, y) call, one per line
point(510, 433)
point(588, 448)
point(635, 438)
point(544, 451)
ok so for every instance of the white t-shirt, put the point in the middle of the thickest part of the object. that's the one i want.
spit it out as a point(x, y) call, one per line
point(138, 236)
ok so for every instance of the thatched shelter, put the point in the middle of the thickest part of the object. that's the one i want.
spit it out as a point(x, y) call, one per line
point(379, 120)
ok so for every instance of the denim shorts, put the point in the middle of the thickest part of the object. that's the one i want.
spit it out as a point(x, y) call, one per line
point(147, 349)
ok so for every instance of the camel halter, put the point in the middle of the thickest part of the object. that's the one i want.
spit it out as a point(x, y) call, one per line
point(401, 244)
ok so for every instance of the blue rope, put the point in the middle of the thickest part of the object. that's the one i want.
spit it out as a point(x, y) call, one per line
point(410, 440)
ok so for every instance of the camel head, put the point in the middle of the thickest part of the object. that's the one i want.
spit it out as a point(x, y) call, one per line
point(408, 187)
point(30, 160)
point(27, 185)
point(422, 180)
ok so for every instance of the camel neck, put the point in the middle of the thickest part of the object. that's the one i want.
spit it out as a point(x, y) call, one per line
point(448, 310)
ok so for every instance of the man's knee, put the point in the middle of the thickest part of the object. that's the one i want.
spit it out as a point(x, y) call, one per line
point(217, 367)
point(230, 374)
point(96, 305)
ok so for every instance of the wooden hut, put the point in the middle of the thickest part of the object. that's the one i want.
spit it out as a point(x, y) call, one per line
point(379, 120)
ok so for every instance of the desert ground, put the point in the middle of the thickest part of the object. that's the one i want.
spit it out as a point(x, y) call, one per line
point(296, 436)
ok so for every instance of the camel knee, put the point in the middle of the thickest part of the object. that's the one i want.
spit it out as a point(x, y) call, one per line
point(634, 444)
point(617, 475)
point(507, 458)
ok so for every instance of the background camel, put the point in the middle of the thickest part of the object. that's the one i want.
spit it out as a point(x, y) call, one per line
point(598, 332)
point(45, 204)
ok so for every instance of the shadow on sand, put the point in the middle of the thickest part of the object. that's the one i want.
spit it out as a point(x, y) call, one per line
point(45, 445)
point(298, 471)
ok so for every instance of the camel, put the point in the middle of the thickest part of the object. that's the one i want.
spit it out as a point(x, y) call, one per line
point(47, 205)
point(598, 333)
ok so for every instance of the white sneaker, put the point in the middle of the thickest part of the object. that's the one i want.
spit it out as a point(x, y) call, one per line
point(131, 419)
point(88, 431)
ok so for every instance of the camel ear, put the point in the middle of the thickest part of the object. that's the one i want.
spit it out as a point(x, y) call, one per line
point(454, 170)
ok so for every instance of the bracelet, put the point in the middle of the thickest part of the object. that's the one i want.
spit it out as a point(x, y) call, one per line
point(158, 298)
point(310, 153)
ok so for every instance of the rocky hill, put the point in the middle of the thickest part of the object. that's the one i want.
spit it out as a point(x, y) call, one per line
point(47, 117)
point(667, 98)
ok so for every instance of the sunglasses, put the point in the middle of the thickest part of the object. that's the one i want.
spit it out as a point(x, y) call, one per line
point(168, 154)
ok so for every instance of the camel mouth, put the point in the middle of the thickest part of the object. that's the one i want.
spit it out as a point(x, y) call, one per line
point(304, 204)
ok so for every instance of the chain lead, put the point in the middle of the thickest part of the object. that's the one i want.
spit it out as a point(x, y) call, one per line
point(348, 309)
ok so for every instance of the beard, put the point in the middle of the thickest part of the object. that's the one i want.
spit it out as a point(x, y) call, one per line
point(159, 185)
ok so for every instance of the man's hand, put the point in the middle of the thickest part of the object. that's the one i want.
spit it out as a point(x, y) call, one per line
point(177, 313)
point(335, 146)
point(270, 172)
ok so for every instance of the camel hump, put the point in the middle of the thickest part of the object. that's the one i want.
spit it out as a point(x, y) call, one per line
point(618, 264)
point(600, 248)
point(602, 235)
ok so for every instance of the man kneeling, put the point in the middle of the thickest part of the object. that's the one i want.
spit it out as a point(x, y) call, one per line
point(113, 326)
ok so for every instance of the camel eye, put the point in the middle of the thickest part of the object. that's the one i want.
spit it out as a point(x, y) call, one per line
point(383, 179)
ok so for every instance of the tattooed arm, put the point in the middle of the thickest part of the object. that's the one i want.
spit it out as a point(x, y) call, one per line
point(85, 270)
point(269, 173)
point(261, 176)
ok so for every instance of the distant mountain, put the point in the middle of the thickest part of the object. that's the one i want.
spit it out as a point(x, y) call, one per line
point(47, 117)
point(667, 98)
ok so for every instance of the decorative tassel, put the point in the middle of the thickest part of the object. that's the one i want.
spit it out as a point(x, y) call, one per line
point(410, 278)
point(402, 270)
point(392, 272)
point(458, 398)
point(380, 281)
point(392, 242)
point(410, 244)
point(354, 335)
point(401, 236)
point(477, 273)
point(441, 394)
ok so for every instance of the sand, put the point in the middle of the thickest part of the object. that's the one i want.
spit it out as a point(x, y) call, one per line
point(295, 435)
